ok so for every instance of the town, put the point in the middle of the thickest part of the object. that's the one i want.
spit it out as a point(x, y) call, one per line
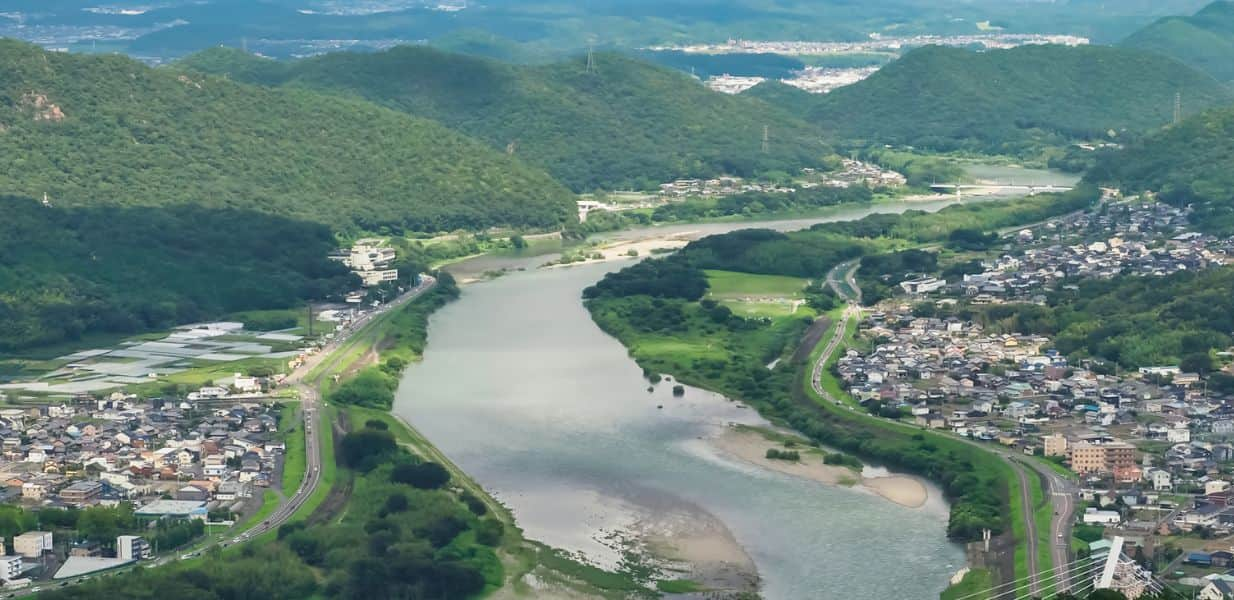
point(1150, 447)
point(875, 43)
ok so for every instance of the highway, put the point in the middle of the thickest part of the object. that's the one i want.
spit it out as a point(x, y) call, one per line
point(1061, 491)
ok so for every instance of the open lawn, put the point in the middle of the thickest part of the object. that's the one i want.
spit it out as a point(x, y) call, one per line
point(731, 285)
point(294, 458)
point(758, 296)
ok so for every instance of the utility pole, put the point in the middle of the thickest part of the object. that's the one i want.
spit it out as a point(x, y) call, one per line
point(766, 139)
point(310, 320)
point(1178, 107)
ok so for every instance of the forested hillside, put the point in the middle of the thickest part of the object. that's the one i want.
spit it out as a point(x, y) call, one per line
point(67, 272)
point(1204, 41)
point(1007, 101)
point(107, 130)
point(1190, 163)
point(626, 123)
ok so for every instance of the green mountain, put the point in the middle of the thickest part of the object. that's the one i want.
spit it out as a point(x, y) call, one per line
point(625, 123)
point(66, 272)
point(1204, 41)
point(107, 130)
point(1005, 100)
point(1189, 163)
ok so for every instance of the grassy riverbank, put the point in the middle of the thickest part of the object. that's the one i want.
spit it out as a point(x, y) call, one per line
point(512, 566)
point(665, 312)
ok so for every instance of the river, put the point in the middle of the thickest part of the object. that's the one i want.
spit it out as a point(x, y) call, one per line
point(550, 415)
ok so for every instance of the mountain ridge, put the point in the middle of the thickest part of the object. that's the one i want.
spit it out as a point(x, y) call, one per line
point(88, 130)
point(621, 123)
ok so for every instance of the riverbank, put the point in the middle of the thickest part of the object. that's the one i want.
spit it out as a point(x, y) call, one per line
point(751, 445)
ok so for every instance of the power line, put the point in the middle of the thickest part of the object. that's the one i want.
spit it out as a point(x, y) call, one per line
point(1027, 582)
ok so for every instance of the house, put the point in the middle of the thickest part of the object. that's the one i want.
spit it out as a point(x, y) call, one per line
point(1160, 479)
point(1217, 589)
point(1222, 558)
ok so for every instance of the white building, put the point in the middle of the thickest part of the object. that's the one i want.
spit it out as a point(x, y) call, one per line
point(1160, 479)
point(10, 567)
point(32, 544)
point(1093, 516)
point(245, 384)
point(372, 278)
point(132, 547)
point(923, 285)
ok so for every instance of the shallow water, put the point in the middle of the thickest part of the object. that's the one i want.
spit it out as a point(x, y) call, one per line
point(548, 413)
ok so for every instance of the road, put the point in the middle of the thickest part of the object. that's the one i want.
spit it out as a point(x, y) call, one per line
point(310, 399)
point(1061, 492)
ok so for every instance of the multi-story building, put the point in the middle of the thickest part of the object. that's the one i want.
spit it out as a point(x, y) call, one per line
point(32, 544)
point(1101, 458)
point(10, 567)
point(1055, 445)
point(81, 493)
point(131, 547)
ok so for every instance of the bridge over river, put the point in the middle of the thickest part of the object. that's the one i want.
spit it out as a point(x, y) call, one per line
point(993, 187)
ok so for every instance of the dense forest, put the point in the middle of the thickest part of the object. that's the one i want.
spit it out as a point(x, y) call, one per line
point(1189, 163)
point(107, 130)
point(624, 124)
point(1204, 41)
point(1006, 101)
point(65, 272)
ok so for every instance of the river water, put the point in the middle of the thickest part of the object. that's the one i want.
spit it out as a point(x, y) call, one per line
point(550, 415)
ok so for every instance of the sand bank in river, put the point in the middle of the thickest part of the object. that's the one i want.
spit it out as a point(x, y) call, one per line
point(693, 544)
point(620, 250)
point(751, 446)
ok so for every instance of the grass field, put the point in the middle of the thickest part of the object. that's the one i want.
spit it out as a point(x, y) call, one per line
point(294, 457)
point(731, 284)
point(765, 296)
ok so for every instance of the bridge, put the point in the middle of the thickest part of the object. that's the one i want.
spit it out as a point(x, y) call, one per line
point(1030, 189)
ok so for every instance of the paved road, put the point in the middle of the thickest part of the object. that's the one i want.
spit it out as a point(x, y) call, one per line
point(1061, 492)
point(310, 398)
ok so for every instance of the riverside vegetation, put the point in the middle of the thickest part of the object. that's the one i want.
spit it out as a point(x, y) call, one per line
point(658, 310)
point(398, 522)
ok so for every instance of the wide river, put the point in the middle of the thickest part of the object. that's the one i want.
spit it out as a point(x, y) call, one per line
point(551, 416)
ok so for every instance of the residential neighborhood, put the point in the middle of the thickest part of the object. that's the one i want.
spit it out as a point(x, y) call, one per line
point(1152, 449)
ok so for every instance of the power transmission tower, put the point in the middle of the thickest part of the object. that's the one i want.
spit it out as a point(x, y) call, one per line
point(766, 139)
point(591, 58)
point(1178, 107)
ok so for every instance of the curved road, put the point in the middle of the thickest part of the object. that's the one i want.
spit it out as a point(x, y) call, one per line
point(1061, 491)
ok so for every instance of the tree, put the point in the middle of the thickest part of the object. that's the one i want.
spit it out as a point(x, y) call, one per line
point(360, 449)
point(1200, 362)
point(426, 475)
